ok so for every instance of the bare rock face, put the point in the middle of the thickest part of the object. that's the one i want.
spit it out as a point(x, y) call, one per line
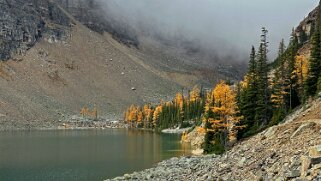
point(306, 27)
point(91, 14)
point(24, 22)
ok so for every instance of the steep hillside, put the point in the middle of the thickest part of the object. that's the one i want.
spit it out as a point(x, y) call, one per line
point(184, 61)
point(289, 151)
point(55, 78)
point(53, 65)
point(60, 78)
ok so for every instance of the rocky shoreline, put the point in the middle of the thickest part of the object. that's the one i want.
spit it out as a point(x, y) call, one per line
point(289, 151)
point(73, 123)
point(183, 168)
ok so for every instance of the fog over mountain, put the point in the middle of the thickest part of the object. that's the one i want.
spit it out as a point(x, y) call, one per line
point(223, 26)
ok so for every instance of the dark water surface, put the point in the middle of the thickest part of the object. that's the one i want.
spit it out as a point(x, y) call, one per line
point(82, 155)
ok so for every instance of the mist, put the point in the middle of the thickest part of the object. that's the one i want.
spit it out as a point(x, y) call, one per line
point(224, 26)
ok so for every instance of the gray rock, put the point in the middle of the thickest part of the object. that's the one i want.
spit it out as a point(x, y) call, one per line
point(241, 162)
point(280, 179)
point(305, 165)
point(293, 174)
point(269, 132)
point(315, 151)
point(24, 22)
point(127, 176)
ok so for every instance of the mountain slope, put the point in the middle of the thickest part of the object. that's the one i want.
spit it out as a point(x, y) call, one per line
point(56, 78)
point(289, 151)
point(53, 66)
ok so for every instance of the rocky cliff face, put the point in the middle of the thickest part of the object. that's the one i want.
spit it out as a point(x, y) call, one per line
point(24, 22)
point(91, 14)
point(305, 29)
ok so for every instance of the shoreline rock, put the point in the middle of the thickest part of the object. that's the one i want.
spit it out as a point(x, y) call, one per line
point(176, 131)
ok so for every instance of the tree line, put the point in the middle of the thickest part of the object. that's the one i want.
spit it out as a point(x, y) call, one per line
point(176, 113)
point(268, 92)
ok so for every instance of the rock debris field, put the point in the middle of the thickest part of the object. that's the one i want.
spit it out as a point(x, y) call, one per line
point(289, 151)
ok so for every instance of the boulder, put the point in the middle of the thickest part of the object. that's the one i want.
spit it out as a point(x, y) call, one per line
point(302, 128)
point(241, 162)
point(315, 151)
point(315, 154)
point(293, 173)
point(269, 132)
point(305, 165)
point(316, 167)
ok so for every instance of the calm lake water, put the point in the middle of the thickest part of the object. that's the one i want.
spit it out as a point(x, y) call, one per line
point(82, 155)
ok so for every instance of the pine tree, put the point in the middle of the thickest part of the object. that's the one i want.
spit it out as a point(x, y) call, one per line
point(278, 82)
point(248, 96)
point(263, 107)
point(291, 97)
point(278, 87)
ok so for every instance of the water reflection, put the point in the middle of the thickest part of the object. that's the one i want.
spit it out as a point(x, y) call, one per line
point(83, 154)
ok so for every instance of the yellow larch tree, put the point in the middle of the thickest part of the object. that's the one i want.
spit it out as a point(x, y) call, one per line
point(157, 112)
point(132, 115)
point(140, 117)
point(245, 83)
point(195, 94)
point(226, 108)
point(148, 115)
point(209, 100)
point(179, 100)
point(301, 70)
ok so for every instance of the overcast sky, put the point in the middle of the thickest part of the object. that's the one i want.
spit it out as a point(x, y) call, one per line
point(226, 25)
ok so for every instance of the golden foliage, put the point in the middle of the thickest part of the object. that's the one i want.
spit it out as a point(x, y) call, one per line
point(301, 68)
point(245, 83)
point(195, 94)
point(184, 136)
point(179, 100)
point(86, 112)
point(139, 116)
point(148, 112)
point(226, 109)
point(156, 114)
point(200, 130)
point(224, 99)
point(209, 100)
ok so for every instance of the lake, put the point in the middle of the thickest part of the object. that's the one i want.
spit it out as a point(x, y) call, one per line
point(82, 155)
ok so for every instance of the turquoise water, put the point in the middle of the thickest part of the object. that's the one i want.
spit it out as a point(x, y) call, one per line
point(82, 154)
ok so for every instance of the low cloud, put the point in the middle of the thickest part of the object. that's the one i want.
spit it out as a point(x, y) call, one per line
point(227, 27)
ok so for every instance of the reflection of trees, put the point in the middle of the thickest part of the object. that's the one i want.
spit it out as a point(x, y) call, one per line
point(143, 147)
point(186, 148)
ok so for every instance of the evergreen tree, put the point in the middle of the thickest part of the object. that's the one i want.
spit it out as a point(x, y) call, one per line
point(278, 87)
point(291, 80)
point(263, 107)
point(248, 97)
